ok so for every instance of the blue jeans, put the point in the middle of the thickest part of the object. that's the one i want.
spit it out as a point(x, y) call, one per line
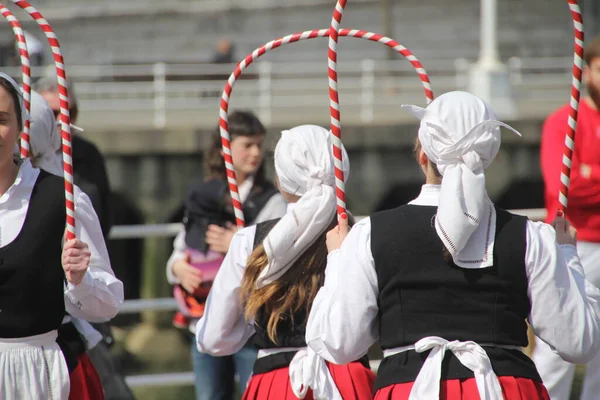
point(215, 375)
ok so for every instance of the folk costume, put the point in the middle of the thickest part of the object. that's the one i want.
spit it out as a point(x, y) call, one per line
point(445, 283)
point(286, 369)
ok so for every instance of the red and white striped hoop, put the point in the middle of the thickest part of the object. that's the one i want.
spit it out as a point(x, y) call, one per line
point(573, 104)
point(296, 37)
point(334, 107)
point(65, 119)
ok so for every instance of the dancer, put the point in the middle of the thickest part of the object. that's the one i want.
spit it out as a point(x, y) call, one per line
point(583, 212)
point(75, 336)
point(33, 201)
point(199, 251)
point(450, 271)
point(270, 275)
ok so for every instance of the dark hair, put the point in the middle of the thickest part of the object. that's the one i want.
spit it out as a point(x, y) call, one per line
point(241, 123)
point(16, 97)
point(592, 50)
point(295, 290)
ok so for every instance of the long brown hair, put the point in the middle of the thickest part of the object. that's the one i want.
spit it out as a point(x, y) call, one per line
point(241, 123)
point(294, 291)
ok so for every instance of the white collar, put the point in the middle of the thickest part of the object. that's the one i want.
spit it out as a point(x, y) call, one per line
point(26, 177)
point(429, 196)
point(245, 187)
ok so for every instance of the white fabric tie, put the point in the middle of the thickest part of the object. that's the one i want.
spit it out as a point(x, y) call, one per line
point(459, 133)
point(307, 371)
point(304, 166)
point(470, 354)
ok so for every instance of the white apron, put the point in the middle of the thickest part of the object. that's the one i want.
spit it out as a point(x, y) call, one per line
point(33, 368)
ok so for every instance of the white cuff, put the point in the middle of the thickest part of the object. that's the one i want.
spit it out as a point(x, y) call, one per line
point(333, 253)
point(76, 292)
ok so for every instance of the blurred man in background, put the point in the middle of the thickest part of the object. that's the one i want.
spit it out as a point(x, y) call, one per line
point(224, 52)
point(88, 163)
point(583, 211)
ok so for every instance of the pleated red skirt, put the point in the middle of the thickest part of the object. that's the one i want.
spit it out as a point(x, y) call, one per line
point(85, 382)
point(466, 389)
point(354, 381)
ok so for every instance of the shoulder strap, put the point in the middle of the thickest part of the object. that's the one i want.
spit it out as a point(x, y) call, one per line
point(262, 230)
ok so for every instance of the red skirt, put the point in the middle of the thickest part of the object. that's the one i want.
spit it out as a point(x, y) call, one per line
point(466, 389)
point(85, 382)
point(354, 381)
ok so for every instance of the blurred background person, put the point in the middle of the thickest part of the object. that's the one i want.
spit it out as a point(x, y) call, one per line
point(199, 251)
point(583, 211)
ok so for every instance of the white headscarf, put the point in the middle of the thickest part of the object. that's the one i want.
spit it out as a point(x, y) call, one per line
point(44, 137)
point(461, 136)
point(304, 166)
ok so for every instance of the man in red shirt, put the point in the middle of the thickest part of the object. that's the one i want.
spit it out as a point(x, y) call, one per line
point(583, 212)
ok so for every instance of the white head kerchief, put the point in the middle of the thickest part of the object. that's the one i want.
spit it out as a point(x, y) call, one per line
point(44, 137)
point(304, 167)
point(460, 134)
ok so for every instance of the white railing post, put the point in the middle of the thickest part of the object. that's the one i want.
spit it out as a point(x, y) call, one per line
point(515, 70)
point(264, 91)
point(367, 93)
point(160, 95)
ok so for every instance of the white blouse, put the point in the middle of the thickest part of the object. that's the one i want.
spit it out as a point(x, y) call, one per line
point(98, 297)
point(565, 309)
point(223, 330)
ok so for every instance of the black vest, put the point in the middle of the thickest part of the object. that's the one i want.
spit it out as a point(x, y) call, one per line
point(423, 293)
point(288, 334)
point(31, 275)
point(210, 203)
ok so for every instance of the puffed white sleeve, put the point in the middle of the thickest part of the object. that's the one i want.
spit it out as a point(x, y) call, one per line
point(342, 324)
point(223, 330)
point(565, 307)
point(99, 296)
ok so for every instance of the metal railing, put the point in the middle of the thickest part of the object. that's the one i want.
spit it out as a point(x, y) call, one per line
point(70, 9)
point(374, 89)
point(169, 304)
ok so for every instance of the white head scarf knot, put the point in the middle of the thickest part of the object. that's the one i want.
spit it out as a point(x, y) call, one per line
point(459, 133)
point(304, 167)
